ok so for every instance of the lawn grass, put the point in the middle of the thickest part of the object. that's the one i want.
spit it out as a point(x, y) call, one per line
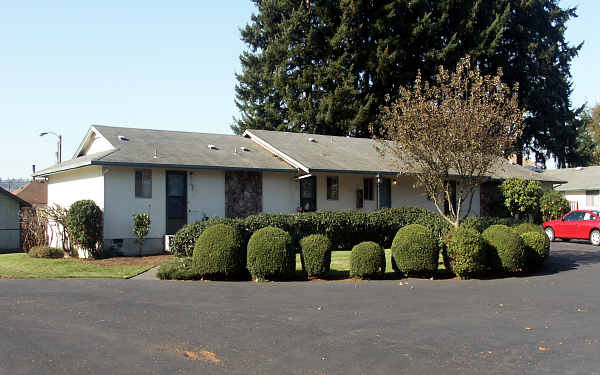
point(21, 266)
point(340, 264)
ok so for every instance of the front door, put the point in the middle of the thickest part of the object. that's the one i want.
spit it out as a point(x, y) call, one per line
point(176, 201)
point(385, 193)
point(308, 194)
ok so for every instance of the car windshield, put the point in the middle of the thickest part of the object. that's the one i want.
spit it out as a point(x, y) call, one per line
point(596, 212)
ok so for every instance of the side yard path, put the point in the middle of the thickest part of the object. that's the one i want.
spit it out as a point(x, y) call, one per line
point(21, 266)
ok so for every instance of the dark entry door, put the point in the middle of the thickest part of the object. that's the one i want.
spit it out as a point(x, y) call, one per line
point(308, 194)
point(176, 201)
point(385, 193)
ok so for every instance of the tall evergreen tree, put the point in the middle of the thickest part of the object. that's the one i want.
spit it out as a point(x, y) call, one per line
point(327, 66)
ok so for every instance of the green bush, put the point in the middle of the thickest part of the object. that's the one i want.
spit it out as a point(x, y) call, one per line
point(271, 255)
point(218, 253)
point(46, 252)
point(504, 251)
point(528, 227)
point(367, 261)
point(521, 197)
point(85, 226)
point(183, 242)
point(316, 255)
point(465, 253)
point(553, 205)
point(343, 228)
point(537, 249)
point(178, 269)
point(482, 223)
point(415, 251)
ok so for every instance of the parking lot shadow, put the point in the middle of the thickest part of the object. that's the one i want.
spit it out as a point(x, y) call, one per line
point(566, 256)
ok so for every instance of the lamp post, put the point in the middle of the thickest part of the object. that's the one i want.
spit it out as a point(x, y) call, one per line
point(59, 150)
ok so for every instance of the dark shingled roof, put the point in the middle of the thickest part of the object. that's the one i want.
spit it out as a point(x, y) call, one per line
point(174, 149)
point(325, 153)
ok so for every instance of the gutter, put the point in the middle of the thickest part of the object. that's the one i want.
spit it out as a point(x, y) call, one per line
point(275, 151)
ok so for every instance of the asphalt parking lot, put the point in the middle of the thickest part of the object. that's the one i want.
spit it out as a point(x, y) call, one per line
point(543, 324)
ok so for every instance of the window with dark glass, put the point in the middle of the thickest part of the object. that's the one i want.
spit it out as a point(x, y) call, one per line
point(368, 189)
point(143, 183)
point(574, 216)
point(332, 188)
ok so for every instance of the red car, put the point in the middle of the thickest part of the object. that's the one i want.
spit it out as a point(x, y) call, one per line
point(580, 224)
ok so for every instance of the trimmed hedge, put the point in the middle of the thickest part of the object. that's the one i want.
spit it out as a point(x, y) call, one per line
point(316, 255)
point(465, 253)
point(270, 255)
point(528, 227)
point(367, 261)
point(482, 223)
point(218, 253)
point(537, 249)
point(343, 228)
point(505, 250)
point(46, 252)
point(178, 269)
point(415, 251)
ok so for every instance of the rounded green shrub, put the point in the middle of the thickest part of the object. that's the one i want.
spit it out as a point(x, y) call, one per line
point(218, 253)
point(415, 251)
point(504, 251)
point(46, 252)
point(367, 261)
point(465, 253)
point(316, 255)
point(85, 226)
point(537, 249)
point(178, 269)
point(528, 227)
point(271, 255)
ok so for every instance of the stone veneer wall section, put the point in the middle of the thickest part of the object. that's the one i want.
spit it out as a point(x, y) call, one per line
point(243, 193)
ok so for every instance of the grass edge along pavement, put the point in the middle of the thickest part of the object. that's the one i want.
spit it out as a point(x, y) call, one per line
point(21, 266)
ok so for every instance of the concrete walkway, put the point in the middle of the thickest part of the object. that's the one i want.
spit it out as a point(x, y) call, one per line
point(148, 275)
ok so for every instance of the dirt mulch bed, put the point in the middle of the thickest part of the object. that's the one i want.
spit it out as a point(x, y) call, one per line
point(152, 260)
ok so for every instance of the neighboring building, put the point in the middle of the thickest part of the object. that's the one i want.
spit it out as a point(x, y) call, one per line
point(34, 192)
point(582, 188)
point(10, 227)
point(182, 177)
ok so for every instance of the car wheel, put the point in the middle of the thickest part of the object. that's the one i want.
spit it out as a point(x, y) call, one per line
point(550, 234)
point(595, 237)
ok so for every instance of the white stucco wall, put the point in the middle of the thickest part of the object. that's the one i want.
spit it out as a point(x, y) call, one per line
point(121, 203)
point(206, 194)
point(70, 186)
point(97, 144)
point(578, 196)
point(9, 223)
point(281, 193)
point(348, 185)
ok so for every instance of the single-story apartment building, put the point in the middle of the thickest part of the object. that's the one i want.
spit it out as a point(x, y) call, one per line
point(10, 220)
point(582, 186)
point(183, 177)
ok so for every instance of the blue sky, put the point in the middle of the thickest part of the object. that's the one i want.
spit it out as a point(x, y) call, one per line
point(65, 65)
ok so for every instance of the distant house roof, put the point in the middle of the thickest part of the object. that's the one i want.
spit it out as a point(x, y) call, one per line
point(22, 203)
point(324, 153)
point(34, 192)
point(173, 149)
point(581, 178)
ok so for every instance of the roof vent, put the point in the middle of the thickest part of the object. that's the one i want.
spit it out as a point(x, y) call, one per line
point(212, 147)
point(244, 148)
point(123, 138)
point(312, 140)
point(579, 169)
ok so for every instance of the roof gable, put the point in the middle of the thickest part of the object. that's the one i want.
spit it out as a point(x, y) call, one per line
point(7, 193)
